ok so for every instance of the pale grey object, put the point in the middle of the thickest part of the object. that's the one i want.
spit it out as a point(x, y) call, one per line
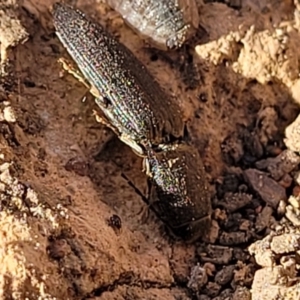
point(166, 24)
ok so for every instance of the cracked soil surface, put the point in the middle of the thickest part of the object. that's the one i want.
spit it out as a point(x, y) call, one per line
point(71, 225)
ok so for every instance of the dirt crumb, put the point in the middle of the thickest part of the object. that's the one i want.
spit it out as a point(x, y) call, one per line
point(292, 134)
point(279, 275)
point(263, 55)
point(126, 292)
point(270, 191)
point(12, 31)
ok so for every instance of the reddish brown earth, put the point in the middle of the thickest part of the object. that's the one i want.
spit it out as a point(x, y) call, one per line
point(62, 173)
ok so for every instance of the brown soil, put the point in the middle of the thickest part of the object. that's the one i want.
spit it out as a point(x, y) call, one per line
point(62, 174)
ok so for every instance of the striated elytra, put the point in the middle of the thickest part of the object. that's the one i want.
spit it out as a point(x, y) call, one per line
point(179, 192)
point(134, 106)
point(130, 98)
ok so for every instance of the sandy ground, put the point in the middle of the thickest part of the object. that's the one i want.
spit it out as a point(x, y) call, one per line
point(62, 174)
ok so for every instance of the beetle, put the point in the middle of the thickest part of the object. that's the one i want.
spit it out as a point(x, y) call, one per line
point(140, 113)
point(166, 24)
point(178, 190)
point(132, 102)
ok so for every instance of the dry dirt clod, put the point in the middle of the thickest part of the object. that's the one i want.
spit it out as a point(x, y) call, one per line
point(226, 294)
point(263, 253)
point(241, 293)
point(11, 31)
point(285, 243)
point(213, 233)
point(295, 201)
point(121, 292)
point(219, 255)
point(8, 113)
point(265, 277)
point(212, 289)
point(243, 275)
point(268, 189)
point(286, 181)
point(281, 165)
point(234, 238)
point(293, 214)
point(292, 136)
point(281, 279)
point(296, 178)
point(281, 209)
point(264, 218)
point(263, 54)
point(235, 201)
point(225, 275)
point(198, 278)
point(240, 254)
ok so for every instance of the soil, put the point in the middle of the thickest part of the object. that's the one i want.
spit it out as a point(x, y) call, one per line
point(72, 226)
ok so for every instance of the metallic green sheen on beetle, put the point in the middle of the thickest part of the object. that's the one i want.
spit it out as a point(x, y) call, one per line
point(144, 118)
point(130, 98)
point(179, 192)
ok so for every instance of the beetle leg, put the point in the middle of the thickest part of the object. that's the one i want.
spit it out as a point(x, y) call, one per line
point(132, 144)
point(71, 69)
point(103, 120)
point(144, 212)
point(122, 136)
point(146, 168)
point(151, 193)
point(193, 230)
